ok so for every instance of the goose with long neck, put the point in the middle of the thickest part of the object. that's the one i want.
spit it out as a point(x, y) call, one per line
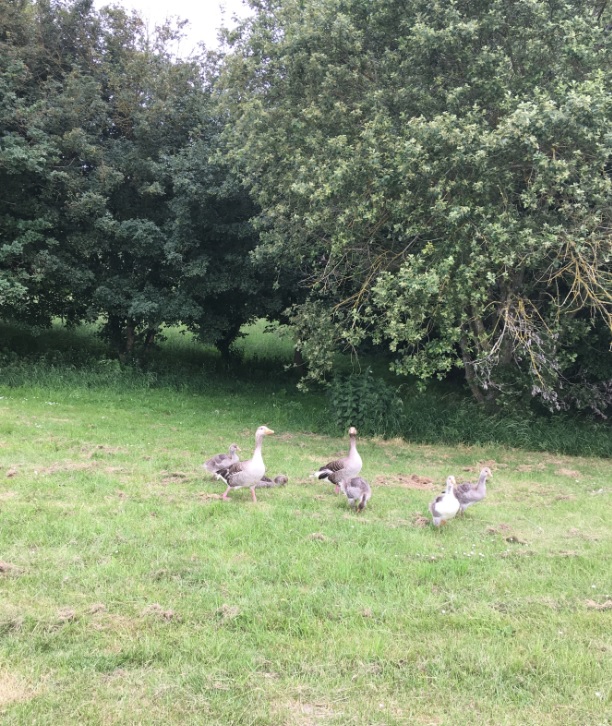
point(446, 505)
point(222, 461)
point(346, 468)
point(246, 474)
point(469, 493)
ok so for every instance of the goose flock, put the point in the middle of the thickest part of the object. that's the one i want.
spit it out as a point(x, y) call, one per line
point(343, 473)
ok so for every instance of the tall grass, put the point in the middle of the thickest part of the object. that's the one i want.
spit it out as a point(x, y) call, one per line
point(450, 419)
point(261, 366)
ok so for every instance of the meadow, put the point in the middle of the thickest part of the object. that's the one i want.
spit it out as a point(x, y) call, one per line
point(130, 593)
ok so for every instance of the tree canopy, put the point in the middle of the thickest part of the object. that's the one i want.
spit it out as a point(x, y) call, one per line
point(116, 202)
point(440, 174)
point(430, 181)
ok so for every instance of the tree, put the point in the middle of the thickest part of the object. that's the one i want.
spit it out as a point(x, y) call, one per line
point(118, 205)
point(439, 174)
point(40, 275)
point(221, 286)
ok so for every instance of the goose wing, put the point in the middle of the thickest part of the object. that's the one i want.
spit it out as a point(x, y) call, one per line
point(220, 461)
point(334, 466)
point(231, 474)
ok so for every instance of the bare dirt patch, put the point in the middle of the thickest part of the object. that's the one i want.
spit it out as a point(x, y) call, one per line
point(405, 481)
point(568, 472)
point(115, 623)
point(490, 463)
point(66, 615)
point(418, 520)
point(4, 496)
point(157, 611)
point(63, 466)
point(227, 612)
point(528, 468)
point(298, 713)
point(6, 568)
point(320, 537)
point(573, 532)
point(592, 605)
point(174, 477)
point(284, 437)
point(14, 689)
point(208, 496)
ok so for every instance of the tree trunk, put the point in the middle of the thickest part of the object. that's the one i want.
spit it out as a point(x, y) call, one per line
point(130, 339)
point(149, 341)
point(298, 358)
point(224, 344)
point(470, 374)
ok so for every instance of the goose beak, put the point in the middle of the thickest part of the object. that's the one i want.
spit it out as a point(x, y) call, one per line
point(267, 430)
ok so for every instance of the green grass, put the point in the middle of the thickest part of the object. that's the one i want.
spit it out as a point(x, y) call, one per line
point(131, 594)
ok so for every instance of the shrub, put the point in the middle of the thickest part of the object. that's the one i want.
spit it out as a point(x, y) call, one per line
point(366, 402)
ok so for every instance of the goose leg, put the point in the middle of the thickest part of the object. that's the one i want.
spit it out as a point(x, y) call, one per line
point(225, 494)
point(253, 494)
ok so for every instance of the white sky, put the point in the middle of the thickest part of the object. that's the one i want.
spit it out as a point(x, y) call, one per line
point(205, 17)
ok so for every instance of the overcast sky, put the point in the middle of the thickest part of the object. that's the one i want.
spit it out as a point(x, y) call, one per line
point(205, 16)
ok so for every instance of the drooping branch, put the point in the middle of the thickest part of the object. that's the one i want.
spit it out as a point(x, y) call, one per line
point(590, 284)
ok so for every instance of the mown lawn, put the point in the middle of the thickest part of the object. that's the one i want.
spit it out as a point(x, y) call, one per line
point(131, 594)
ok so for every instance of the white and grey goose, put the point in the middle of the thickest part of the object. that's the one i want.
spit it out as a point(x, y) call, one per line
point(446, 505)
point(469, 493)
point(246, 474)
point(343, 469)
point(357, 491)
point(222, 461)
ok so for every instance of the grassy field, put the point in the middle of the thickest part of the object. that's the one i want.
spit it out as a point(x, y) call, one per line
point(131, 594)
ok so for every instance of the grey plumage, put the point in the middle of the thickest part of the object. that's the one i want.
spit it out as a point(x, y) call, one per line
point(345, 468)
point(247, 473)
point(222, 461)
point(469, 493)
point(267, 483)
point(357, 491)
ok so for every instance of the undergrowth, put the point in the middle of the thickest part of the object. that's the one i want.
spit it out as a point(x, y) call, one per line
point(63, 358)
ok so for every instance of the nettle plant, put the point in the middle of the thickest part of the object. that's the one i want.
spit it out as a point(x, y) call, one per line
point(366, 402)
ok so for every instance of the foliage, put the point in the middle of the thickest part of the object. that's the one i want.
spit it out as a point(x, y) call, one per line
point(366, 402)
point(445, 418)
point(220, 286)
point(439, 174)
point(76, 359)
point(117, 202)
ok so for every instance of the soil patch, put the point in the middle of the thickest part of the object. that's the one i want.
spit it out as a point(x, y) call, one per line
point(406, 481)
point(13, 689)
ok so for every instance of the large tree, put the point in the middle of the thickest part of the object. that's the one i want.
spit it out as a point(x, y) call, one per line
point(116, 203)
point(41, 148)
point(440, 174)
